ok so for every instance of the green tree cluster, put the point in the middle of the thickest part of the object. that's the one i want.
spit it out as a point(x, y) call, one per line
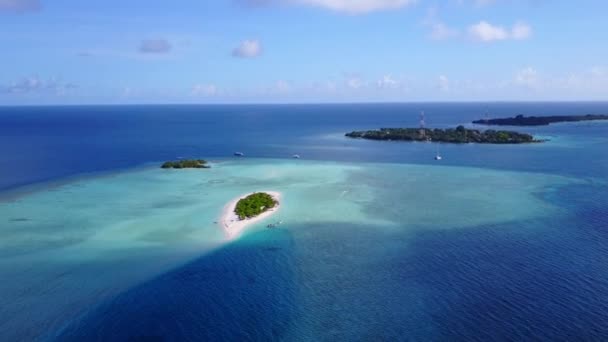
point(521, 120)
point(186, 164)
point(254, 204)
point(459, 135)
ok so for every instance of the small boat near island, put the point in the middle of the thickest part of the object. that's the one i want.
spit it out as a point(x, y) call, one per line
point(274, 225)
point(239, 154)
point(296, 156)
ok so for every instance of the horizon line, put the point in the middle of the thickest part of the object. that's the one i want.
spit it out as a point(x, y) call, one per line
point(297, 103)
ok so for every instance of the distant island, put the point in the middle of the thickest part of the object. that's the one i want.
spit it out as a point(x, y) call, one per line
point(521, 120)
point(459, 135)
point(186, 164)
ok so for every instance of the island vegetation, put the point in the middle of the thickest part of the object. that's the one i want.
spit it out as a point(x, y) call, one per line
point(186, 164)
point(254, 204)
point(522, 120)
point(459, 135)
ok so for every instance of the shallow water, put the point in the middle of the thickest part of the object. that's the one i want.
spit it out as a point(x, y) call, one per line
point(350, 231)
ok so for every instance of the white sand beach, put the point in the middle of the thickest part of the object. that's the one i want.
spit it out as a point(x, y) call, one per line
point(235, 226)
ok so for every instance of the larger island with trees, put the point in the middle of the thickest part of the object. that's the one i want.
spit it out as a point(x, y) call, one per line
point(458, 135)
point(521, 120)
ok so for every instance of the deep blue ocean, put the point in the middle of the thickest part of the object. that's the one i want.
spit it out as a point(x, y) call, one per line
point(55, 142)
point(544, 277)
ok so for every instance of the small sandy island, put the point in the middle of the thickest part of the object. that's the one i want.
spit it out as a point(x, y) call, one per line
point(235, 226)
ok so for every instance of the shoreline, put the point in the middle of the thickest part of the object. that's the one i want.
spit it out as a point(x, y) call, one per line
point(230, 221)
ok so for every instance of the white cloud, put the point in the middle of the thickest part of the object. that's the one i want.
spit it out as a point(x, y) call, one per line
point(248, 49)
point(527, 83)
point(439, 30)
point(598, 71)
point(356, 6)
point(387, 82)
point(278, 88)
point(328, 86)
point(354, 83)
point(486, 32)
point(38, 85)
point(443, 83)
point(127, 92)
point(527, 77)
point(483, 31)
point(282, 86)
point(476, 3)
point(159, 46)
point(19, 5)
point(331, 86)
point(590, 81)
point(484, 2)
point(206, 90)
point(521, 31)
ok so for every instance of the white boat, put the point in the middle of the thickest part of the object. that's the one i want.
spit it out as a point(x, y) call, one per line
point(296, 156)
point(239, 154)
point(437, 155)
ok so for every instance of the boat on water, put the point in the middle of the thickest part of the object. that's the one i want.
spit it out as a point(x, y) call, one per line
point(437, 155)
point(239, 154)
point(296, 156)
point(274, 225)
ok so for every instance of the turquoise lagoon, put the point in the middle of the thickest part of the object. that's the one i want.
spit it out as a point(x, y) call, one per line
point(78, 259)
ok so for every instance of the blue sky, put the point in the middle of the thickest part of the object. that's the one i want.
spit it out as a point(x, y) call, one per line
point(274, 51)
